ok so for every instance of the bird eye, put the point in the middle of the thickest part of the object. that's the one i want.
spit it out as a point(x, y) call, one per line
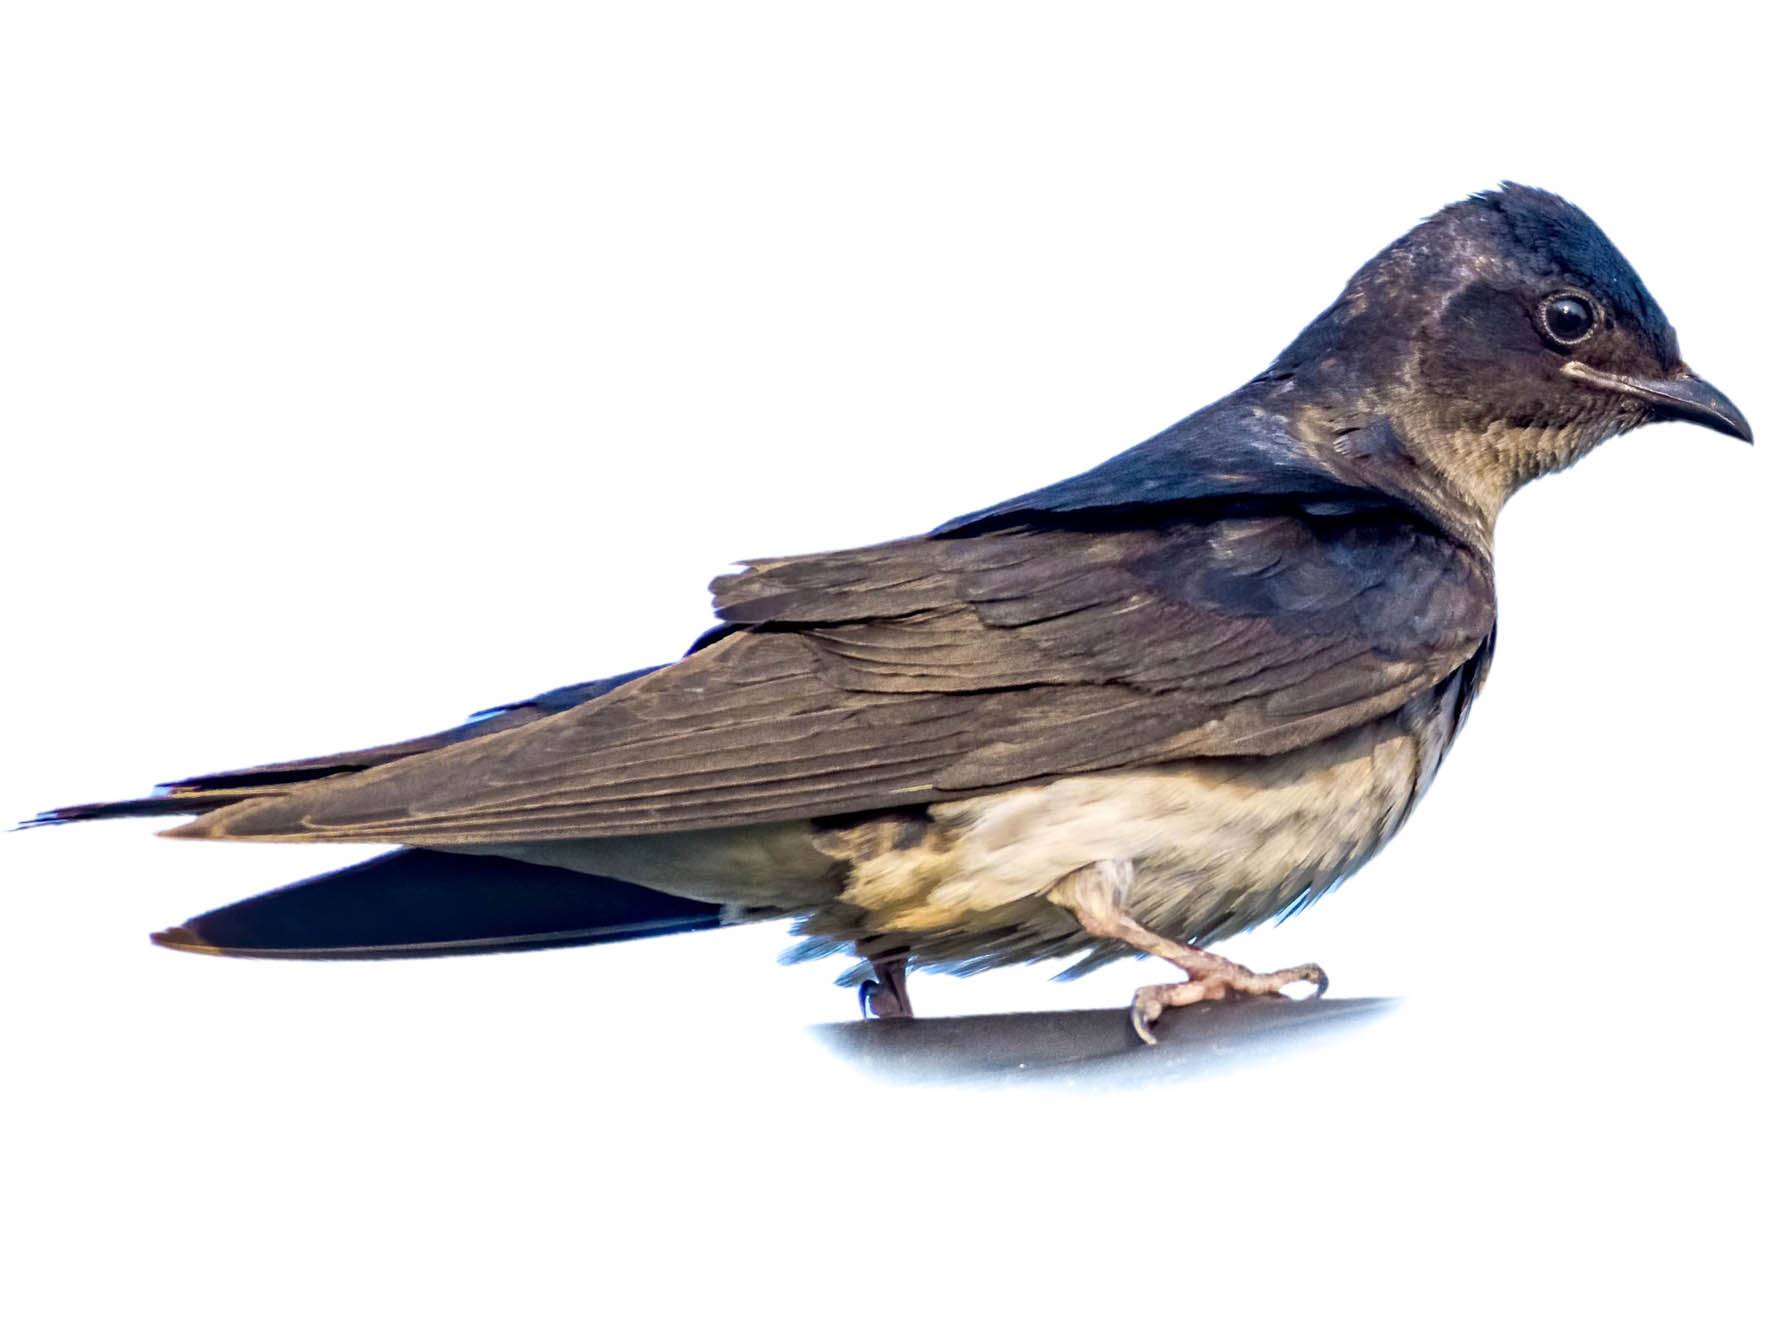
point(1567, 318)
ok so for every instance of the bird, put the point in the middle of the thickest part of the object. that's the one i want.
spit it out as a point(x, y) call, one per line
point(1131, 713)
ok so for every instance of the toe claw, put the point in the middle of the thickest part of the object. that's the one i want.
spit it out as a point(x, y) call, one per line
point(865, 990)
point(1320, 982)
point(1142, 1016)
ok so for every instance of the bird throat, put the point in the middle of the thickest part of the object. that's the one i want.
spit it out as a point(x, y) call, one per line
point(1485, 464)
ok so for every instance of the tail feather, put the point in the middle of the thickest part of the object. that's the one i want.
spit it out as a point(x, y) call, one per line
point(157, 804)
point(207, 792)
point(423, 902)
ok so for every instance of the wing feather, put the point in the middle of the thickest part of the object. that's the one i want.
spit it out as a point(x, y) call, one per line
point(932, 667)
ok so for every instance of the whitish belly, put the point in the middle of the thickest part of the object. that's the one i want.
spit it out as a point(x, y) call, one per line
point(1217, 845)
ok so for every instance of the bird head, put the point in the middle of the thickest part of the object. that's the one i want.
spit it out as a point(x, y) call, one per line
point(1504, 337)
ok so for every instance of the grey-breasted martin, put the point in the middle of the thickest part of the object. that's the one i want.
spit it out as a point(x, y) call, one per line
point(1136, 711)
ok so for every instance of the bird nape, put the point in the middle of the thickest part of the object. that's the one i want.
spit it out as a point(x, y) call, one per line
point(1134, 712)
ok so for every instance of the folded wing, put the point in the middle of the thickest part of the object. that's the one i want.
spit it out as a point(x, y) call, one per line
point(966, 661)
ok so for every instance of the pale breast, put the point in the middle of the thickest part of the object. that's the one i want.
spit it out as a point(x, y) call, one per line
point(1218, 845)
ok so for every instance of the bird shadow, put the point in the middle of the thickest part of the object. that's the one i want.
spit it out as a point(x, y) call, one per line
point(1092, 1048)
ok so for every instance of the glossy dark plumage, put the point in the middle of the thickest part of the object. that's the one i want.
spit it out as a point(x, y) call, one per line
point(1290, 590)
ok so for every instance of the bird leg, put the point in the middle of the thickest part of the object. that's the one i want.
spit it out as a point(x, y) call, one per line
point(885, 993)
point(1096, 895)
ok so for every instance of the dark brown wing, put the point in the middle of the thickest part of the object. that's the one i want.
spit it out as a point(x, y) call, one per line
point(933, 667)
point(208, 792)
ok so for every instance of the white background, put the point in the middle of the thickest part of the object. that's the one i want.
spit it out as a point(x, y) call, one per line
point(367, 364)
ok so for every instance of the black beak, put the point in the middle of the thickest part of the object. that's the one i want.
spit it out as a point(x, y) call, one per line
point(1684, 396)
